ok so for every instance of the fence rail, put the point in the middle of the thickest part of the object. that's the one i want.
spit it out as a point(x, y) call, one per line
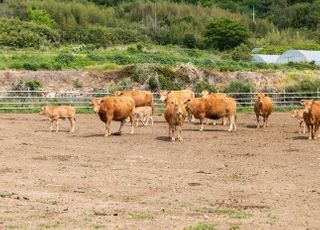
point(11, 101)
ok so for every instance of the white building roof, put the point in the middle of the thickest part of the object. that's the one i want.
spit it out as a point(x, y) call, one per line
point(263, 58)
point(299, 56)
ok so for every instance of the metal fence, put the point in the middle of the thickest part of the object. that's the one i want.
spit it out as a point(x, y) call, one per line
point(31, 101)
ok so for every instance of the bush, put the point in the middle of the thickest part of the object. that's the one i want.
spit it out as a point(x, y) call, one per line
point(203, 85)
point(241, 52)
point(237, 86)
point(225, 34)
point(189, 41)
point(33, 85)
point(65, 58)
point(167, 84)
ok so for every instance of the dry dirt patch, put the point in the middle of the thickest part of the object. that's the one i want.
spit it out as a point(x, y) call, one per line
point(252, 179)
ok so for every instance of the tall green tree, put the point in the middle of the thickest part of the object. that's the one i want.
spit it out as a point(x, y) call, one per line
point(225, 34)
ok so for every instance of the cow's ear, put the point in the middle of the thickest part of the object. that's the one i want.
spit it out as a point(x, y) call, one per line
point(186, 101)
point(302, 102)
point(168, 92)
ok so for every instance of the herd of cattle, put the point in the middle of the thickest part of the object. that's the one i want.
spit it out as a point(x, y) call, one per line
point(138, 106)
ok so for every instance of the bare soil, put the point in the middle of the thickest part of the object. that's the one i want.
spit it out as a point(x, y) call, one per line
point(251, 179)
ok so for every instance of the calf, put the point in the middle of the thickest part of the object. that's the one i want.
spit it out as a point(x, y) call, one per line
point(311, 116)
point(59, 112)
point(115, 109)
point(298, 115)
point(143, 114)
point(175, 114)
point(262, 107)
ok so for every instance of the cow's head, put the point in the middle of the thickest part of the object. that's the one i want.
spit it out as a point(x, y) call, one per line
point(163, 95)
point(295, 113)
point(96, 104)
point(204, 93)
point(117, 93)
point(43, 110)
point(307, 105)
point(260, 96)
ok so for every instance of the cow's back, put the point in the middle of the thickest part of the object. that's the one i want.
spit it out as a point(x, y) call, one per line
point(180, 95)
point(141, 98)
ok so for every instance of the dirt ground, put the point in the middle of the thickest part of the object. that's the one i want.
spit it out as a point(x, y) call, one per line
point(251, 179)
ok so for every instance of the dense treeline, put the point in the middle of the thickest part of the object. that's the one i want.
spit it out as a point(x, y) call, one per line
point(103, 23)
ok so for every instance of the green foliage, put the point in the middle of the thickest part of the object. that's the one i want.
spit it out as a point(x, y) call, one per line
point(23, 34)
point(189, 41)
point(202, 226)
point(304, 85)
point(77, 83)
point(237, 86)
point(32, 85)
point(203, 85)
point(167, 84)
point(65, 58)
point(224, 34)
point(39, 16)
point(241, 52)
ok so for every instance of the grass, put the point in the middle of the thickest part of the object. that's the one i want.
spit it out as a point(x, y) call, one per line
point(140, 215)
point(67, 58)
point(5, 194)
point(234, 214)
point(202, 226)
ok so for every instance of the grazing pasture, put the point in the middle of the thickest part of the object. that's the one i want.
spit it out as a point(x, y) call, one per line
point(249, 179)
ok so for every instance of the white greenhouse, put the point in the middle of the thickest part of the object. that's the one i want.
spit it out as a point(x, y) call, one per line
point(263, 58)
point(299, 56)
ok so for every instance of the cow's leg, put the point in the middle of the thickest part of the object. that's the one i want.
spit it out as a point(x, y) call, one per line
point(71, 124)
point(132, 121)
point(304, 127)
point(223, 121)
point(172, 133)
point(180, 133)
point(51, 124)
point(232, 123)
point(310, 131)
point(258, 121)
point(201, 124)
point(121, 126)
point(151, 118)
point(57, 126)
point(267, 123)
point(108, 123)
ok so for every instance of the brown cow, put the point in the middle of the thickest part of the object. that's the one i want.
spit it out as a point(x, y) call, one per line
point(298, 115)
point(213, 108)
point(175, 114)
point(141, 98)
point(311, 116)
point(205, 93)
point(59, 112)
point(262, 107)
point(181, 96)
point(115, 109)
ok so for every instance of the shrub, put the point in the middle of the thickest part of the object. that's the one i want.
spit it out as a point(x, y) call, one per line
point(237, 86)
point(203, 85)
point(189, 41)
point(65, 58)
point(167, 84)
point(77, 83)
point(224, 34)
point(33, 85)
point(241, 52)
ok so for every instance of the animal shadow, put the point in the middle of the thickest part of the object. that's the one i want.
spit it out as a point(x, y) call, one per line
point(300, 138)
point(251, 126)
point(164, 138)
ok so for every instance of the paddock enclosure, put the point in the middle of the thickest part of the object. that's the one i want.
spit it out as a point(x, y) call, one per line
point(249, 179)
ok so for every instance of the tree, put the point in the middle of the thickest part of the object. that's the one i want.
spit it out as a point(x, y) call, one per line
point(225, 34)
point(39, 16)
